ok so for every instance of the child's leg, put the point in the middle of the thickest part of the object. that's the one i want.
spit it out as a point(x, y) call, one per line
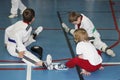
point(21, 6)
point(77, 61)
point(72, 62)
point(14, 9)
point(14, 6)
point(103, 47)
point(32, 60)
point(32, 37)
point(84, 64)
point(29, 41)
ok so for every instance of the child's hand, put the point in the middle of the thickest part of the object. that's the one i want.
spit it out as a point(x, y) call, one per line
point(21, 54)
point(80, 56)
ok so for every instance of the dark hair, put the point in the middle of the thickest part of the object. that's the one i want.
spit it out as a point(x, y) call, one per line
point(73, 16)
point(28, 15)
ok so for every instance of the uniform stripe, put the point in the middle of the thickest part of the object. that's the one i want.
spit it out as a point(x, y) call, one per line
point(30, 60)
point(28, 27)
point(93, 30)
point(11, 40)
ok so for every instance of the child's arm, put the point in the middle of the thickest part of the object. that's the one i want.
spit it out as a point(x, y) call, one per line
point(80, 56)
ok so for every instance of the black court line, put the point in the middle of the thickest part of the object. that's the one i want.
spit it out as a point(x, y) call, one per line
point(70, 47)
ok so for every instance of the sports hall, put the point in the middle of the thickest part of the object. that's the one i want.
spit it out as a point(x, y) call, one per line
point(105, 14)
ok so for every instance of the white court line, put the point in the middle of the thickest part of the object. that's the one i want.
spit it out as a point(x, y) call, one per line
point(110, 63)
point(29, 68)
point(12, 64)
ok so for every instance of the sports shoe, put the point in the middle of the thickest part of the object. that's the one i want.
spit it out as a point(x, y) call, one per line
point(60, 66)
point(48, 63)
point(37, 31)
point(12, 15)
point(66, 28)
point(110, 52)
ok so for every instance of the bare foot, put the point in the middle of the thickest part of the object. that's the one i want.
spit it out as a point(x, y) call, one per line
point(84, 72)
point(101, 68)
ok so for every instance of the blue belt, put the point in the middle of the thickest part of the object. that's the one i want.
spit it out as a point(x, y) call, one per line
point(11, 40)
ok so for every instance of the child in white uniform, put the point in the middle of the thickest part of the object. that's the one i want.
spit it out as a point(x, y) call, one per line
point(16, 4)
point(81, 21)
point(18, 36)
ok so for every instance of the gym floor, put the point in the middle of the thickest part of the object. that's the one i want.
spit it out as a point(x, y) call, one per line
point(105, 15)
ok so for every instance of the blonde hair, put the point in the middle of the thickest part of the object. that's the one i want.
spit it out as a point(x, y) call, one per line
point(73, 16)
point(80, 35)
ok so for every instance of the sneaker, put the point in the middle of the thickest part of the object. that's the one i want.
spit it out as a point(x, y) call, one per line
point(49, 62)
point(66, 28)
point(60, 66)
point(12, 15)
point(110, 52)
point(37, 31)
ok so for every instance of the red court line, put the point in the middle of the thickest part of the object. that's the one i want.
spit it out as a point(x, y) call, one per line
point(46, 69)
point(61, 29)
point(115, 23)
point(13, 61)
point(52, 29)
point(43, 28)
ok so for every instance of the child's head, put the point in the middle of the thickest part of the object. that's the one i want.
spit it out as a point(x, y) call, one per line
point(80, 35)
point(74, 18)
point(28, 15)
